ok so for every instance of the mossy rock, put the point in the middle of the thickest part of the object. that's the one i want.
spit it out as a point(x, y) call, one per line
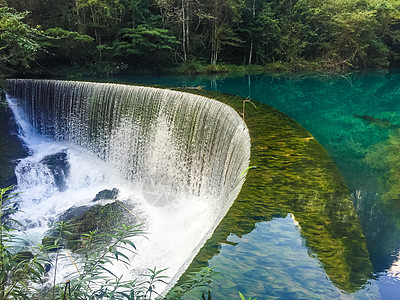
point(102, 218)
point(84, 219)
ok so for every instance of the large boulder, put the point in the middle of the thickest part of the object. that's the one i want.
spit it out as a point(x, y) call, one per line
point(101, 218)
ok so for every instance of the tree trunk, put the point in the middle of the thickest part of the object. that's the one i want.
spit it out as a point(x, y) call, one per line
point(184, 32)
point(214, 38)
point(253, 12)
point(251, 52)
point(187, 28)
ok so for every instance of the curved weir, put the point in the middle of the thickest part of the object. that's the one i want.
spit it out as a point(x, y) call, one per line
point(177, 146)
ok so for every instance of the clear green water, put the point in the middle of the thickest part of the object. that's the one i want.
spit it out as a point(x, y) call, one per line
point(356, 118)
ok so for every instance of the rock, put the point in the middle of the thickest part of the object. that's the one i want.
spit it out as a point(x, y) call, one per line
point(47, 267)
point(102, 218)
point(106, 194)
point(83, 219)
point(384, 123)
point(59, 167)
point(11, 147)
point(73, 213)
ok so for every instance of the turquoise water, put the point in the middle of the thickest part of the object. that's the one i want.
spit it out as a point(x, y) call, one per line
point(356, 118)
point(280, 266)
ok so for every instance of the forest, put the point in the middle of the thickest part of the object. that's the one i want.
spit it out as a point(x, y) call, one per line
point(105, 37)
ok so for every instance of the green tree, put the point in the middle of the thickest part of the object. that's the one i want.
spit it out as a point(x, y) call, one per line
point(18, 41)
point(18, 270)
point(67, 47)
point(143, 45)
point(224, 13)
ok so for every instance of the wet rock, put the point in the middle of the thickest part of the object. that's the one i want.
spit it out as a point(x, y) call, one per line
point(106, 194)
point(47, 267)
point(383, 123)
point(11, 147)
point(73, 213)
point(59, 167)
point(103, 218)
point(68, 217)
point(83, 219)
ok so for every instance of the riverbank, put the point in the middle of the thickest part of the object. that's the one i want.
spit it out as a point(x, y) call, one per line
point(191, 68)
point(195, 68)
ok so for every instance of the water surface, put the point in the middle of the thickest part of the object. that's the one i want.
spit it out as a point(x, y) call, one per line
point(356, 118)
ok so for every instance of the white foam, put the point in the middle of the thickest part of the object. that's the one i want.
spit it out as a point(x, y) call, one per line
point(173, 229)
point(176, 157)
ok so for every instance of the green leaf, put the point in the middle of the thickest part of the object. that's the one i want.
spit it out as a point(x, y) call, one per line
point(246, 170)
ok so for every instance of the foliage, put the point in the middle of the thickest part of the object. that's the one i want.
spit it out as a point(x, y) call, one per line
point(199, 280)
point(92, 278)
point(18, 40)
point(69, 47)
point(242, 297)
point(142, 43)
point(18, 270)
point(110, 35)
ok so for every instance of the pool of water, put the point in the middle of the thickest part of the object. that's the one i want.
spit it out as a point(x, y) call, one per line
point(356, 118)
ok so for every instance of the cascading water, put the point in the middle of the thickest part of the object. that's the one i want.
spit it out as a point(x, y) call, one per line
point(177, 157)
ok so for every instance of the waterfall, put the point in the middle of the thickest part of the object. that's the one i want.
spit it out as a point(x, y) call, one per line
point(178, 146)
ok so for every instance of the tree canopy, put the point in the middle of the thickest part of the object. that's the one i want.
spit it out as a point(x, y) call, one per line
point(112, 34)
point(18, 44)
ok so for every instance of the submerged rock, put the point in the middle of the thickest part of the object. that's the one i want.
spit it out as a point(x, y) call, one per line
point(107, 195)
point(59, 166)
point(383, 123)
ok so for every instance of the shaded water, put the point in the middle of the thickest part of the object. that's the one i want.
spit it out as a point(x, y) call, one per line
point(356, 118)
